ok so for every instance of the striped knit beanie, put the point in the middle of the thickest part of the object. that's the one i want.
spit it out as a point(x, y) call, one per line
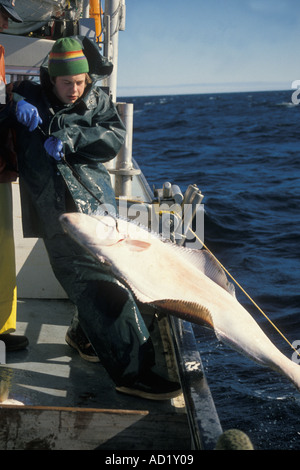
point(67, 58)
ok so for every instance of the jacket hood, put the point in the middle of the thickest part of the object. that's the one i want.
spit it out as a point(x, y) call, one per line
point(100, 67)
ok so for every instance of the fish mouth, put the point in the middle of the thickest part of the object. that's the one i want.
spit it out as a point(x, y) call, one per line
point(104, 232)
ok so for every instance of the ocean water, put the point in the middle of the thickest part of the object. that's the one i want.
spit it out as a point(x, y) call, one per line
point(242, 150)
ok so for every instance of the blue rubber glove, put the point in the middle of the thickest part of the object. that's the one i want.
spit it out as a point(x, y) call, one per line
point(54, 147)
point(28, 115)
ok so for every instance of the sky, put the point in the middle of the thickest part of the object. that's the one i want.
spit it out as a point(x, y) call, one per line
point(206, 46)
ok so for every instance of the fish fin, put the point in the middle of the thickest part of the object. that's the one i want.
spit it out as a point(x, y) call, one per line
point(206, 263)
point(137, 245)
point(190, 311)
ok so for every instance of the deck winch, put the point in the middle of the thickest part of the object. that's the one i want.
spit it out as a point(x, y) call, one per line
point(179, 215)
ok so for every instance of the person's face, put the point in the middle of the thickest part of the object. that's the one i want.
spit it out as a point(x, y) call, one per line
point(69, 88)
point(3, 21)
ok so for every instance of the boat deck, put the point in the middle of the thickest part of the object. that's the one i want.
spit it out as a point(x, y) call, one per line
point(72, 404)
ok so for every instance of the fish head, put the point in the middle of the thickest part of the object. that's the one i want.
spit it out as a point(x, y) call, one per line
point(97, 232)
point(91, 230)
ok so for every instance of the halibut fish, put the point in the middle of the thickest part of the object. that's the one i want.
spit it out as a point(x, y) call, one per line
point(182, 282)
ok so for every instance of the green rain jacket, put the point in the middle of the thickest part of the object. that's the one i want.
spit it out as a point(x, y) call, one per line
point(92, 133)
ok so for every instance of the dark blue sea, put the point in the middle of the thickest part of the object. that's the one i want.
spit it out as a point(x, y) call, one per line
point(242, 150)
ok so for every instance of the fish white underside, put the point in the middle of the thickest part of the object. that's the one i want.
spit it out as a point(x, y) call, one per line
point(186, 283)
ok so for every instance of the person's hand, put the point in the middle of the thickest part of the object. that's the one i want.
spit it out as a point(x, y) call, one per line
point(54, 147)
point(28, 115)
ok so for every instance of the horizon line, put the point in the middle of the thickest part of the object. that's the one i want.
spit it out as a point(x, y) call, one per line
point(233, 87)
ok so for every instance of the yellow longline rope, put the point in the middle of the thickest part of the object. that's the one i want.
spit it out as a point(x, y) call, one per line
point(242, 289)
point(247, 295)
point(235, 281)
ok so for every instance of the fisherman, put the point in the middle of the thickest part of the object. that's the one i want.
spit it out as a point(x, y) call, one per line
point(26, 114)
point(61, 170)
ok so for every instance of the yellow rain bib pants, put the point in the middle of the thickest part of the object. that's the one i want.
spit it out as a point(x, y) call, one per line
point(8, 289)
